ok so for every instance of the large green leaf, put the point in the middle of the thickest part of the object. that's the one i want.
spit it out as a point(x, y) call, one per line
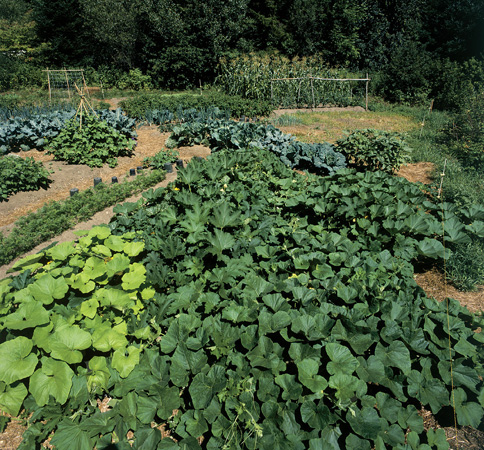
point(125, 360)
point(429, 391)
point(54, 379)
point(432, 248)
point(394, 355)
point(47, 288)
point(342, 361)
point(66, 343)
point(317, 415)
point(106, 339)
point(28, 315)
point(308, 375)
point(114, 298)
point(468, 413)
point(133, 248)
point(220, 241)
point(365, 422)
point(117, 264)
point(98, 376)
point(170, 401)
point(12, 397)
point(135, 277)
point(16, 360)
point(204, 387)
point(70, 436)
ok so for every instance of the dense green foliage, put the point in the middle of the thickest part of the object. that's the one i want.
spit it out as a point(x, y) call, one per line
point(374, 150)
point(230, 135)
point(20, 175)
point(55, 217)
point(89, 141)
point(213, 103)
point(249, 305)
point(26, 133)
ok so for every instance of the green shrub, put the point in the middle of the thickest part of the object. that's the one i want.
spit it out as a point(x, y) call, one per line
point(456, 83)
point(135, 80)
point(406, 77)
point(371, 149)
point(17, 74)
point(94, 143)
point(159, 160)
point(19, 175)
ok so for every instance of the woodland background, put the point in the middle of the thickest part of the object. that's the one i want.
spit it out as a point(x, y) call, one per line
point(414, 50)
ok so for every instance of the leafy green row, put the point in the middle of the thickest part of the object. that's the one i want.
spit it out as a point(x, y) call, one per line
point(19, 175)
point(56, 217)
point(167, 119)
point(141, 105)
point(222, 135)
point(25, 133)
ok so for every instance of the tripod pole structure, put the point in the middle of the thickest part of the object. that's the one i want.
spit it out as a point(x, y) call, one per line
point(84, 105)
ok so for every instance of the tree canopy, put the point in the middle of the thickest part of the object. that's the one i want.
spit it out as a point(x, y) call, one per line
point(178, 42)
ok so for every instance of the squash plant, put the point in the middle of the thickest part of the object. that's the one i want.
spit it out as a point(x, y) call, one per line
point(372, 149)
point(245, 307)
point(93, 143)
point(20, 175)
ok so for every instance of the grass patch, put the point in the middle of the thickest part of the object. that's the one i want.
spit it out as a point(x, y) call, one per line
point(330, 126)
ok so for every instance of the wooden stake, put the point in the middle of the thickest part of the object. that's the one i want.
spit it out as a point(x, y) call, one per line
point(366, 93)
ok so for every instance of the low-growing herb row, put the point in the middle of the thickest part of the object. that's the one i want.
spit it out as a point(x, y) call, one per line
point(245, 307)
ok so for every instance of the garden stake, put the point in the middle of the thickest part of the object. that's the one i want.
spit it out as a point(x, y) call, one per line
point(447, 306)
point(442, 175)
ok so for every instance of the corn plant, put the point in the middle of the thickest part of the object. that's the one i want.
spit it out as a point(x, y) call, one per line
point(288, 82)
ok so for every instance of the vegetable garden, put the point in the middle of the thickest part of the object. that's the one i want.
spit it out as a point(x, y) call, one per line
point(248, 306)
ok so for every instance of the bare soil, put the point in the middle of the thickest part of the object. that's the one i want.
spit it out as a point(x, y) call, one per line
point(150, 142)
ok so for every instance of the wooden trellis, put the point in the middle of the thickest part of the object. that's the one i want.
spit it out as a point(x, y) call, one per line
point(62, 82)
point(311, 79)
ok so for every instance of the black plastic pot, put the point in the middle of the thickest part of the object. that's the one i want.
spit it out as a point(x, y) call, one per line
point(179, 163)
point(74, 191)
point(132, 172)
point(168, 167)
point(97, 180)
point(114, 179)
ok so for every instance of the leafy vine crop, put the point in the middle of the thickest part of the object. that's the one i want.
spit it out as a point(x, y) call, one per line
point(245, 307)
point(92, 142)
point(20, 175)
